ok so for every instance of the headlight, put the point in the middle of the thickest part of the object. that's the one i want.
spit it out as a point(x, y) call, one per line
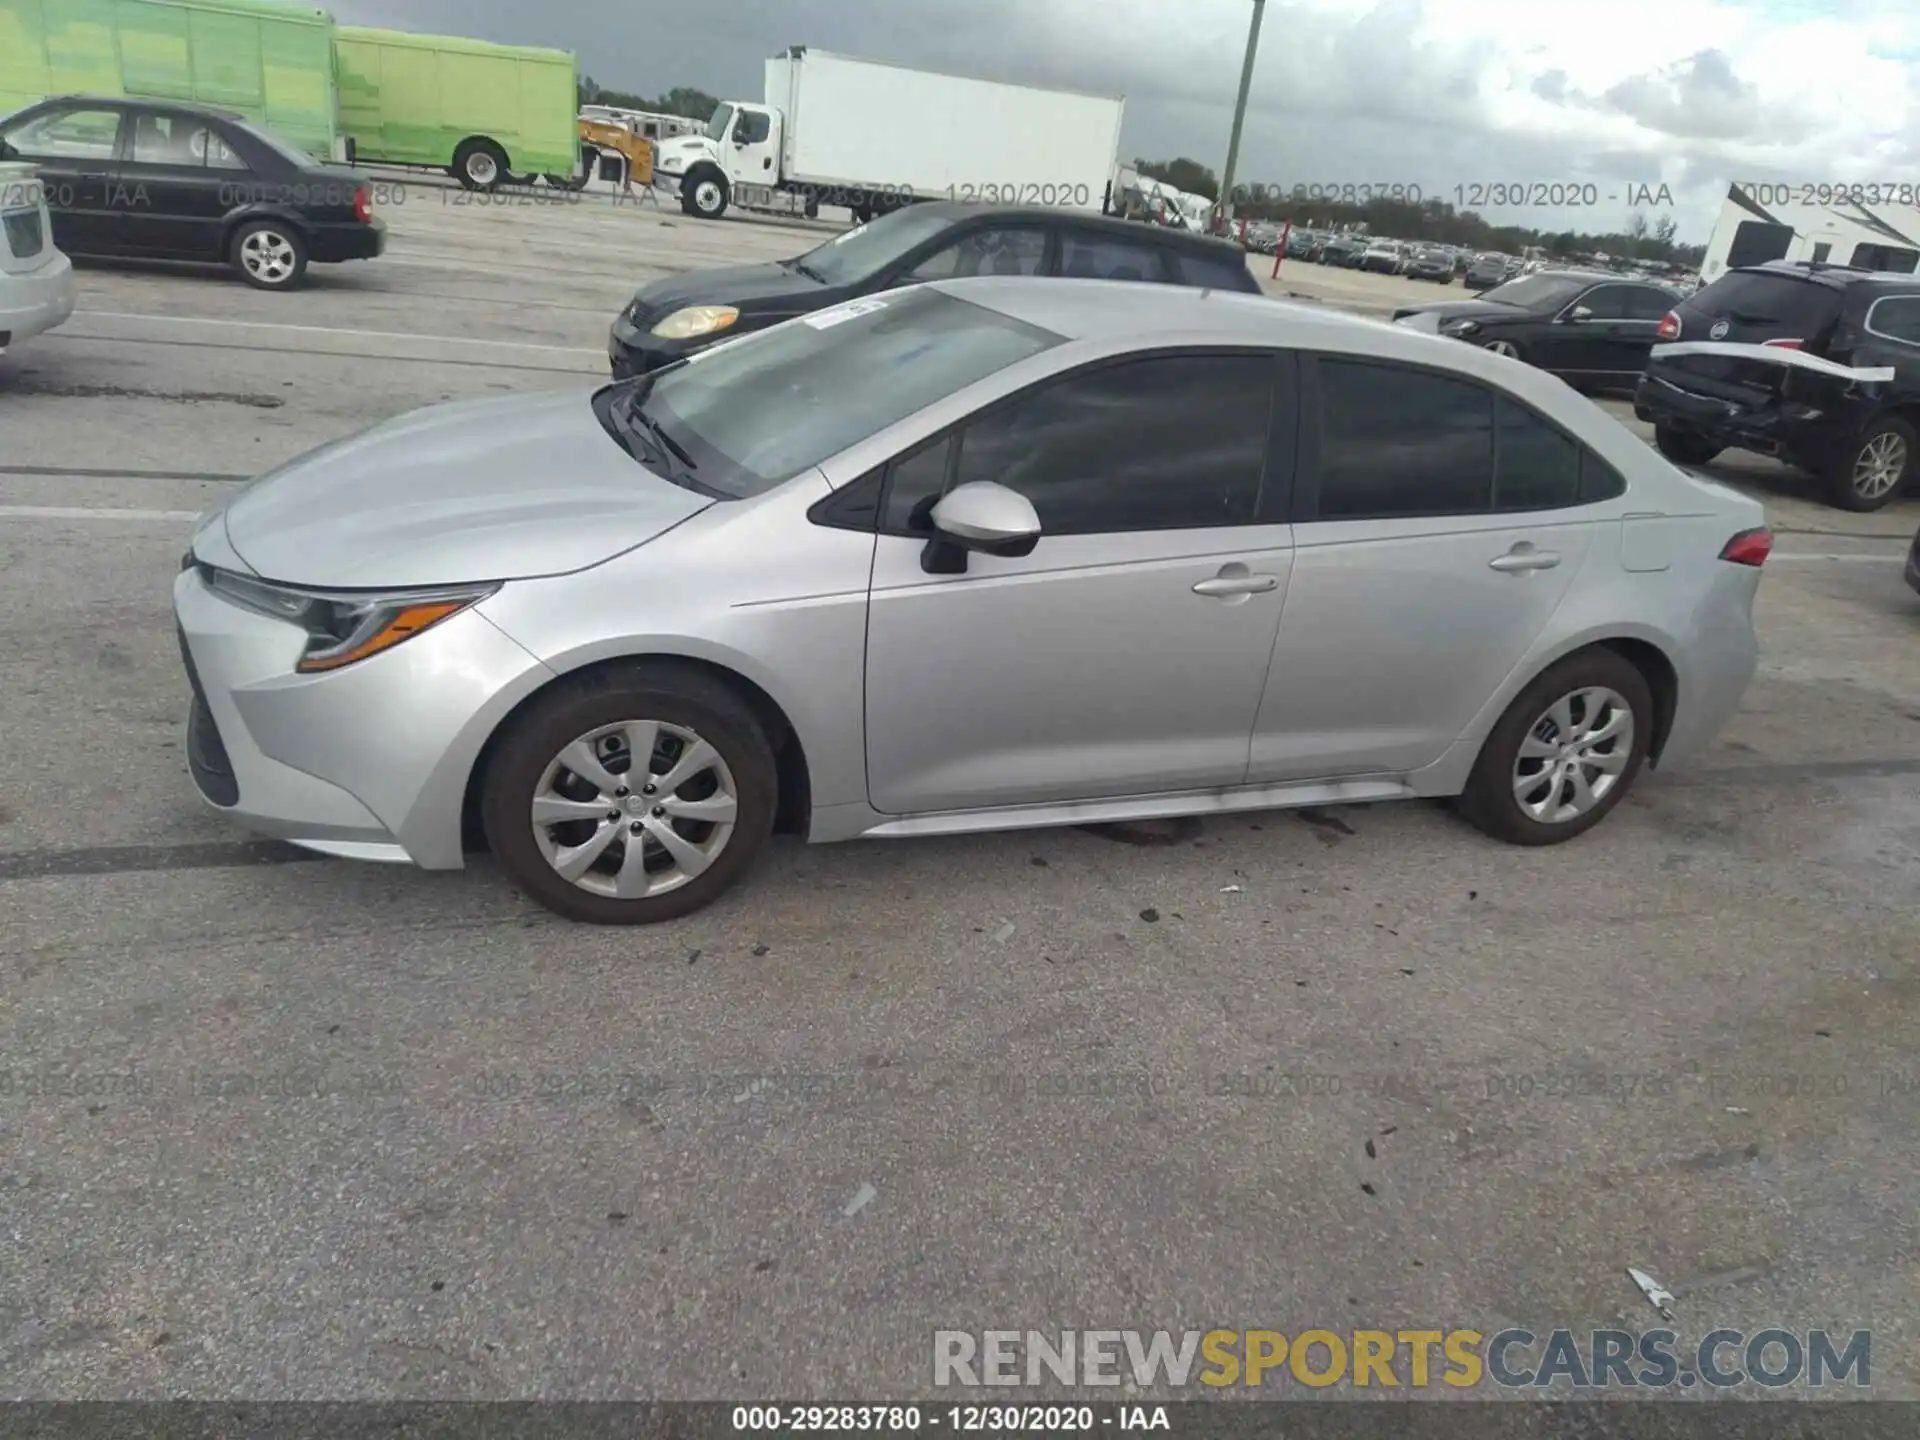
point(1462, 327)
point(694, 321)
point(345, 626)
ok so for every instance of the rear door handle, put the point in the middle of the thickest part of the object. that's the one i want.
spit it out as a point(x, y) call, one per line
point(1224, 585)
point(1518, 562)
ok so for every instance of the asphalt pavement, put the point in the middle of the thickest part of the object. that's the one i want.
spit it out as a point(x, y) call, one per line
point(275, 1126)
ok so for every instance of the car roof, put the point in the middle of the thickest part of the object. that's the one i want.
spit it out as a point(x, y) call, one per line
point(1153, 234)
point(1115, 309)
point(1833, 276)
point(135, 102)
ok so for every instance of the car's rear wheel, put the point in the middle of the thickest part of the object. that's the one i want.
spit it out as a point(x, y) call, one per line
point(1565, 753)
point(1684, 447)
point(1870, 472)
point(631, 797)
point(269, 255)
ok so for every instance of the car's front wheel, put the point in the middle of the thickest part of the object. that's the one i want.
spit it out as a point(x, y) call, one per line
point(269, 255)
point(1565, 753)
point(1503, 347)
point(631, 796)
point(1870, 472)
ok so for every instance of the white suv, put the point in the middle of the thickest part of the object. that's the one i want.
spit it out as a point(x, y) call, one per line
point(36, 280)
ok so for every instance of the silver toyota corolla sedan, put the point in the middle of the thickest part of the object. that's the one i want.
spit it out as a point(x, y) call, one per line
point(969, 556)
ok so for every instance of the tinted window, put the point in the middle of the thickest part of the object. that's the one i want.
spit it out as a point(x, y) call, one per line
point(1765, 305)
point(1535, 466)
point(1020, 251)
point(1401, 442)
point(1607, 302)
point(67, 135)
point(1599, 480)
point(752, 128)
point(1086, 256)
point(1897, 319)
point(1757, 241)
point(1227, 272)
point(761, 409)
point(866, 250)
point(1895, 259)
point(1643, 302)
point(1537, 292)
point(1149, 445)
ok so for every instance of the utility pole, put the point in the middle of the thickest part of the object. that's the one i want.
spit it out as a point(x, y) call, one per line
point(1240, 111)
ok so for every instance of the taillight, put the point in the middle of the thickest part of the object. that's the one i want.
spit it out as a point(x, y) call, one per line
point(1749, 547)
point(362, 206)
point(1784, 344)
point(1669, 327)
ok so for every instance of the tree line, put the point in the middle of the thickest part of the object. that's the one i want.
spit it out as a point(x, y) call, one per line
point(681, 100)
point(1431, 218)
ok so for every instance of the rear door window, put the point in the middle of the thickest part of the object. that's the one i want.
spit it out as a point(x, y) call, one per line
point(1088, 256)
point(1226, 272)
point(1759, 306)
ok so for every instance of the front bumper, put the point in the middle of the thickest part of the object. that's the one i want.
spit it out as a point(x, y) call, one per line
point(36, 301)
point(370, 762)
point(331, 243)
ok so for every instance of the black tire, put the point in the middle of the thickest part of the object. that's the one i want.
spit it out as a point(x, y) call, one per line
point(1489, 801)
point(481, 165)
point(563, 182)
point(269, 255)
point(1844, 475)
point(666, 691)
point(704, 194)
point(1684, 447)
point(812, 207)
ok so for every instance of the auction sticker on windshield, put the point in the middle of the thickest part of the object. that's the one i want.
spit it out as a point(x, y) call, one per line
point(840, 314)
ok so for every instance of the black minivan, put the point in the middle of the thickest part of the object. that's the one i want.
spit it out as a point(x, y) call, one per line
point(1817, 365)
point(162, 180)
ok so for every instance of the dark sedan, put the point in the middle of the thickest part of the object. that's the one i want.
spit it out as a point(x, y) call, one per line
point(671, 319)
point(1341, 253)
point(1486, 271)
point(1431, 264)
point(1587, 328)
point(164, 181)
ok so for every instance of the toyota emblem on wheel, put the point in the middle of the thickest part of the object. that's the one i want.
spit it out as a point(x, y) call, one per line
point(1719, 330)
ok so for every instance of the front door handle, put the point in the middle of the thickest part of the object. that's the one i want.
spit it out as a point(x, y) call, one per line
point(1519, 561)
point(1227, 585)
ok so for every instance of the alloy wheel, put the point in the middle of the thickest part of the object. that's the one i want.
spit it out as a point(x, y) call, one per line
point(269, 257)
point(1573, 755)
point(1502, 347)
point(1879, 465)
point(635, 809)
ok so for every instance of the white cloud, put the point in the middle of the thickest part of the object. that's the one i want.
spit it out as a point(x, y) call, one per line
point(1436, 92)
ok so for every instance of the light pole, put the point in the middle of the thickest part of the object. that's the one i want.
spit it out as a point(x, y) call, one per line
point(1240, 111)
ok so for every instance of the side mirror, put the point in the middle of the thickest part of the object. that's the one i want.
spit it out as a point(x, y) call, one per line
point(982, 517)
point(1580, 312)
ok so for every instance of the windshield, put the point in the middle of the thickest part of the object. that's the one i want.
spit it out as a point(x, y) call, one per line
point(868, 249)
point(1537, 292)
point(717, 126)
point(746, 416)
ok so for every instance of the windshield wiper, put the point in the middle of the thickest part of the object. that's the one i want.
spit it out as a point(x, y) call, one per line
point(805, 269)
point(668, 450)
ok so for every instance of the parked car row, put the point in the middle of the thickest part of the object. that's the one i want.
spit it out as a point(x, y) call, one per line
point(1814, 365)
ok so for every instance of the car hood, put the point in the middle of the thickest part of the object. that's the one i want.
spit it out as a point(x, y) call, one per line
point(1439, 312)
point(478, 490)
point(753, 289)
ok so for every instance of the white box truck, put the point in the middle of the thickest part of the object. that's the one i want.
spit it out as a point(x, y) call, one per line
point(1873, 227)
point(873, 137)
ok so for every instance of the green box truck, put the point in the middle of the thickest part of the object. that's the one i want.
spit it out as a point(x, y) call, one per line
point(272, 63)
point(485, 113)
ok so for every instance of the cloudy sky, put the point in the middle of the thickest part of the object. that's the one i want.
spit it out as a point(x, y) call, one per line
point(1436, 93)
